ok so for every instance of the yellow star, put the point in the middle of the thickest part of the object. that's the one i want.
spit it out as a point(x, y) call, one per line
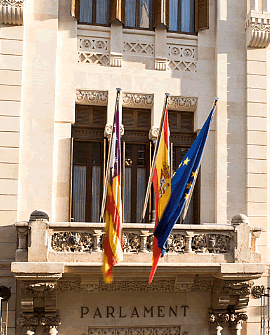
point(194, 174)
point(186, 195)
point(189, 185)
point(186, 161)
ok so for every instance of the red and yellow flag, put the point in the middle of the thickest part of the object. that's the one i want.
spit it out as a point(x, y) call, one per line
point(113, 211)
point(162, 184)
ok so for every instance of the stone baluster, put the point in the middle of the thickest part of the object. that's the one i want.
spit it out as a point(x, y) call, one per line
point(143, 240)
point(97, 234)
point(21, 252)
point(188, 241)
point(236, 321)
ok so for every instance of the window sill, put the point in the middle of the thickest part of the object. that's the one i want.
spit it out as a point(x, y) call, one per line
point(92, 27)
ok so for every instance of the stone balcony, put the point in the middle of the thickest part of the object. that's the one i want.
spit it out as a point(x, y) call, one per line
point(227, 252)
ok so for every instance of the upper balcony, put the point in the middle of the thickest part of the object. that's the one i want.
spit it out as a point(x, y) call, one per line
point(228, 252)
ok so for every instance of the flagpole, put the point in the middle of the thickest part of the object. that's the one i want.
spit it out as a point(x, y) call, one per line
point(194, 183)
point(108, 160)
point(154, 160)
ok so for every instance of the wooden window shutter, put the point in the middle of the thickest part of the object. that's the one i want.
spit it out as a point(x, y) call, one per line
point(117, 11)
point(202, 14)
point(75, 9)
point(161, 13)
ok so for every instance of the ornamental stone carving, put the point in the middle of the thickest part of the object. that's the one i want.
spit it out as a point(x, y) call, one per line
point(11, 12)
point(51, 320)
point(257, 291)
point(85, 97)
point(211, 243)
point(131, 242)
point(37, 289)
point(108, 130)
point(182, 103)
point(153, 134)
point(135, 331)
point(72, 242)
point(258, 30)
point(28, 321)
point(137, 100)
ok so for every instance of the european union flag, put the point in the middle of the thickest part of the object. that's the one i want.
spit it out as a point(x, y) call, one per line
point(182, 184)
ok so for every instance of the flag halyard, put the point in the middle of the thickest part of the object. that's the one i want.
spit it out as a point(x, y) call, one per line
point(113, 211)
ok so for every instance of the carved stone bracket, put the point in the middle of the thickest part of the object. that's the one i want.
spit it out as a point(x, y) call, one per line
point(153, 134)
point(257, 291)
point(137, 100)
point(258, 29)
point(115, 59)
point(85, 97)
point(108, 130)
point(160, 64)
point(182, 103)
point(11, 12)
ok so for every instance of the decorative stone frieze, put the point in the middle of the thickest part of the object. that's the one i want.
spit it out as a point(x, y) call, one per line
point(11, 12)
point(93, 58)
point(135, 331)
point(94, 44)
point(258, 30)
point(85, 97)
point(37, 289)
point(137, 100)
point(182, 103)
point(138, 48)
point(141, 286)
point(72, 242)
point(28, 322)
point(131, 242)
point(51, 320)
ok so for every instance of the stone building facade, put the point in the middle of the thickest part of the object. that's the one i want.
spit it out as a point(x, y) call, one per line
point(61, 62)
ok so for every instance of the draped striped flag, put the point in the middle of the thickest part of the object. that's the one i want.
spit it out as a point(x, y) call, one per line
point(161, 183)
point(113, 211)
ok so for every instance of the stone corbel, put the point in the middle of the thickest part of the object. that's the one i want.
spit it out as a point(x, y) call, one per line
point(108, 130)
point(153, 134)
point(87, 97)
point(160, 64)
point(115, 59)
point(258, 29)
point(11, 12)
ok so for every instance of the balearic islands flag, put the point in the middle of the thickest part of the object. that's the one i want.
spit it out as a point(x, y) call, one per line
point(161, 183)
point(182, 185)
point(113, 211)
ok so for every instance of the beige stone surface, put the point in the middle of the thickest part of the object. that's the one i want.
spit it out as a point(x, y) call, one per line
point(257, 195)
point(8, 186)
point(9, 92)
point(256, 165)
point(11, 62)
point(7, 217)
point(11, 47)
point(255, 81)
point(10, 77)
point(12, 32)
point(10, 139)
point(8, 170)
point(9, 155)
point(257, 137)
point(9, 123)
point(257, 180)
point(8, 202)
point(257, 151)
point(257, 208)
point(256, 67)
point(256, 109)
point(11, 108)
point(257, 123)
point(257, 95)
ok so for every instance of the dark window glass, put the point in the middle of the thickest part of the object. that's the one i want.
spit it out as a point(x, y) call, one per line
point(182, 16)
point(94, 11)
point(138, 13)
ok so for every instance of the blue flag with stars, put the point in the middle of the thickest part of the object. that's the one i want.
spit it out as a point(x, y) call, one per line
point(182, 184)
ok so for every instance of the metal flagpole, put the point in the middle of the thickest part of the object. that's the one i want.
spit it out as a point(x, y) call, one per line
point(108, 160)
point(154, 160)
point(186, 206)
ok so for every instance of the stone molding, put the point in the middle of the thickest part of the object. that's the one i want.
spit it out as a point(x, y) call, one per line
point(182, 103)
point(136, 100)
point(135, 331)
point(258, 30)
point(139, 286)
point(87, 97)
point(160, 64)
point(115, 59)
point(218, 318)
point(11, 12)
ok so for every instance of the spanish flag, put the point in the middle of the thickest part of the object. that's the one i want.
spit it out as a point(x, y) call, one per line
point(113, 211)
point(161, 183)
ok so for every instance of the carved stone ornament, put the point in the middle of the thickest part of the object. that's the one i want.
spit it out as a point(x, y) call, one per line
point(257, 291)
point(27, 321)
point(139, 286)
point(72, 242)
point(108, 130)
point(37, 289)
point(93, 58)
point(11, 12)
point(135, 331)
point(160, 64)
point(182, 103)
point(115, 59)
point(153, 133)
point(237, 288)
point(258, 30)
point(137, 100)
point(85, 97)
point(51, 320)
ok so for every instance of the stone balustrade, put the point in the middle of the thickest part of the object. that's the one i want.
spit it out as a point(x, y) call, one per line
point(42, 241)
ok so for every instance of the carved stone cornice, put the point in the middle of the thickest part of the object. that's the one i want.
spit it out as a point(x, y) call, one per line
point(37, 289)
point(137, 100)
point(182, 103)
point(11, 12)
point(87, 97)
point(258, 29)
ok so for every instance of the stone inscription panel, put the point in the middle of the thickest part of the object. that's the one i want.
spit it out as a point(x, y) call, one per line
point(89, 313)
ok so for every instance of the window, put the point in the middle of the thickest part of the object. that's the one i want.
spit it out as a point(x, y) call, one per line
point(181, 125)
point(182, 16)
point(138, 13)
point(88, 162)
point(94, 11)
point(136, 147)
